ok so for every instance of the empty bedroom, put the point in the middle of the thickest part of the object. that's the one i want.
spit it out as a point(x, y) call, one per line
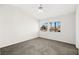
point(39, 29)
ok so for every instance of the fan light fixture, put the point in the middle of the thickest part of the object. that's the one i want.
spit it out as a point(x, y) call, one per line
point(40, 8)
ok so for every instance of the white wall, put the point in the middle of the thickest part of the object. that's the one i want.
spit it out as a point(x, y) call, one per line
point(16, 26)
point(77, 26)
point(67, 33)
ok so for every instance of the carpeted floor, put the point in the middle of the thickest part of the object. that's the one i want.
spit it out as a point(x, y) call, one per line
point(40, 46)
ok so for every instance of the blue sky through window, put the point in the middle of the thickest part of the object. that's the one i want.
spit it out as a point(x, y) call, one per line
point(56, 23)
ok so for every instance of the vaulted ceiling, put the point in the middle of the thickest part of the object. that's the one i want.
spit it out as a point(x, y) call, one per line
point(49, 10)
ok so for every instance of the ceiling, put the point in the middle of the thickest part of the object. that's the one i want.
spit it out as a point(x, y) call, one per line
point(49, 10)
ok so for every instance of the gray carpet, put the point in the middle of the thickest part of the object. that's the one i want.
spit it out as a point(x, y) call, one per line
point(40, 46)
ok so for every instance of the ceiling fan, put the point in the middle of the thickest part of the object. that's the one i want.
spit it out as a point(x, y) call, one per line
point(40, 8)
